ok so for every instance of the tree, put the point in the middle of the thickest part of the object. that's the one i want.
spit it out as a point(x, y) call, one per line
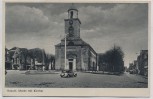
point(113, 58)
point(101, 62)
point(23, 57)
point(50, 59)
point(32, 55)
point(38, 55)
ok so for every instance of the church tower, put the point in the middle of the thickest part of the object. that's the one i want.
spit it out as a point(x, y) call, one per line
point(72, 24)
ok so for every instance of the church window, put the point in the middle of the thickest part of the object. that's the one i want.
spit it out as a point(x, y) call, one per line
point(71, 14)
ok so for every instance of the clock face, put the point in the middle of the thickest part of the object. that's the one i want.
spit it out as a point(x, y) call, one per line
point(71, 31)
point(71, 22)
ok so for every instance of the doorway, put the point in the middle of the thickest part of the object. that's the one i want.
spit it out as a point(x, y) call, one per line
point(71, 62)
point(71, 65)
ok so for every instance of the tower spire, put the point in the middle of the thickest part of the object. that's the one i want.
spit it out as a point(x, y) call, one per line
point(72, 7)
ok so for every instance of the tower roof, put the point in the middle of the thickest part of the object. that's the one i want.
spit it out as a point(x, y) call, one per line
point(72, 7)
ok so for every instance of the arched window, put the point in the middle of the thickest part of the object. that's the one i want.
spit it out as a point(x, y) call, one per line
point(70, 44)
point(71, 14)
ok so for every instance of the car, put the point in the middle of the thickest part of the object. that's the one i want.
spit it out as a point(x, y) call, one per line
point(131, 72)
point(68, 73)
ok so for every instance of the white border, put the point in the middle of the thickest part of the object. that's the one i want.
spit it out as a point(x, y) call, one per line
point(150, 43)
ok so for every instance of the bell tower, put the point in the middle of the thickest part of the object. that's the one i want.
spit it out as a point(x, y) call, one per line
point(72, 24)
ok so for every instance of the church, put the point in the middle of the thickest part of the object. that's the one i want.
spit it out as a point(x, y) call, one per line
point(80, 56)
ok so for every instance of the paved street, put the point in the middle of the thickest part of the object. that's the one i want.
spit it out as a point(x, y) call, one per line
point(15, 78)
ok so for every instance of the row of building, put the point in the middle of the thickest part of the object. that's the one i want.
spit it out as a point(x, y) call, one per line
point(24, 59)
point(140, 65)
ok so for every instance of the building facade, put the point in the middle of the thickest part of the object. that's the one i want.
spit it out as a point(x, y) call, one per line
point(143, 62)
point(8, 63)
point(24, 59)
point(17, 58)
point(80, 56)
point(140, 66)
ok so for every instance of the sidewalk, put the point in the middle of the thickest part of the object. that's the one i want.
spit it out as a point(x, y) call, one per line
point(41, 72)
point(96, 72)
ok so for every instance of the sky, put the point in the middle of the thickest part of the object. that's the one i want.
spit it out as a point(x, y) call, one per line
point(103, 25)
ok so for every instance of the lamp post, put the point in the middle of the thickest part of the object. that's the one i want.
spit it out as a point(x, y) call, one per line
point(65, 52)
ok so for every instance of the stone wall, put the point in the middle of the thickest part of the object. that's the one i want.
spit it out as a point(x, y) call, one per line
point(85, 58)
point(57, 58)
point(92, 60)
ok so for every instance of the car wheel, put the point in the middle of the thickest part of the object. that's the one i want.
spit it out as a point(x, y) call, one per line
point(62, 75)
point(75, 75)
point(68, 75)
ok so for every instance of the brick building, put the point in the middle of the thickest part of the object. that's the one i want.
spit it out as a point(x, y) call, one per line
point(80, 55)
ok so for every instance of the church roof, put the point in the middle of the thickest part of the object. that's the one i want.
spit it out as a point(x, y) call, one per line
point(72, 7)
point(11, 53)
point(14, 48)
point(77, 42)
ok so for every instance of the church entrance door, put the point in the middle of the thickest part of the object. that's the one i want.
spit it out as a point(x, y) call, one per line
point(70, 65)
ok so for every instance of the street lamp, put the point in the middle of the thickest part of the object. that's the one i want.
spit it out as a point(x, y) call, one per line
point(65, 51)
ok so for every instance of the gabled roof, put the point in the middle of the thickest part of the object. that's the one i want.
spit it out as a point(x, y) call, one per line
point(15, 51)
point(77, 42)
point(11, 53)
point(72, 7)
point(14, 48)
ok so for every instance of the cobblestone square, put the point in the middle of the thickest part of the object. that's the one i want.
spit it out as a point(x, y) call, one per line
point(16, 78)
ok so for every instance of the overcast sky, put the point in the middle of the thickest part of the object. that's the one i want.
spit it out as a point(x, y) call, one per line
point(103, 25)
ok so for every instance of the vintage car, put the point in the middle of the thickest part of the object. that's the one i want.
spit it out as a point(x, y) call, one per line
point(68, 73)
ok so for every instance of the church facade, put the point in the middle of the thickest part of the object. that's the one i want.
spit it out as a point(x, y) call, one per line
point(80, 56)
